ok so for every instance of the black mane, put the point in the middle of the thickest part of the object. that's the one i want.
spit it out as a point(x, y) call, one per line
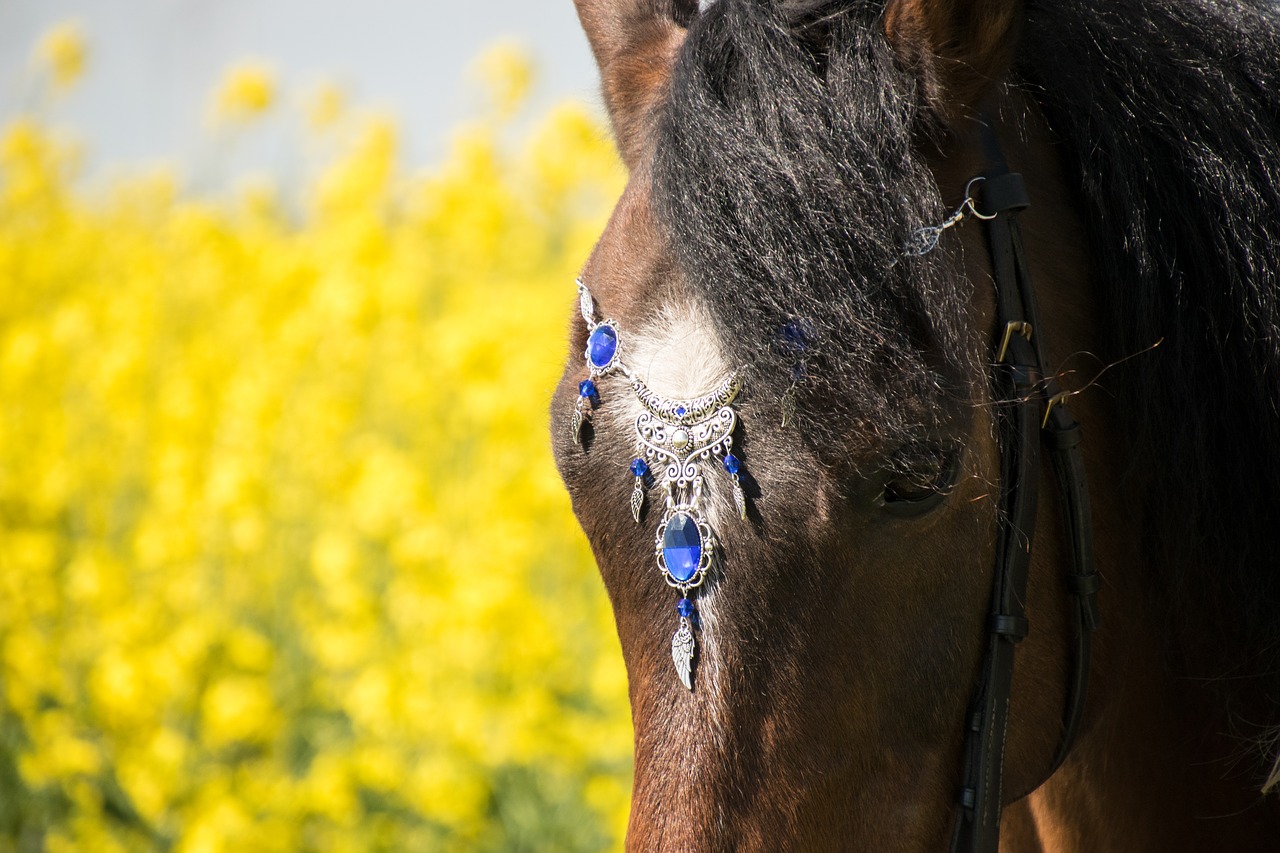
point(785, 174)
point(1170, 114)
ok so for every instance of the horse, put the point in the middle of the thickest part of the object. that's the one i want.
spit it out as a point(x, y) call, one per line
point(927, 337)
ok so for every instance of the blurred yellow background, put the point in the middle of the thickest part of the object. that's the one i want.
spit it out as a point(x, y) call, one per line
point(284, 560)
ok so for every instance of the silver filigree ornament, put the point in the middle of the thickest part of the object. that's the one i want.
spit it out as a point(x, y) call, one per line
point(676, 441)
point(602, 359)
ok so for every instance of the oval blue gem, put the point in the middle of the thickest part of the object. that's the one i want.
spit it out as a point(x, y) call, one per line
point(682, 548)
point(586, 388)
point(639, 468)
point(684, 607)
point(732, 464)
point(602, 345)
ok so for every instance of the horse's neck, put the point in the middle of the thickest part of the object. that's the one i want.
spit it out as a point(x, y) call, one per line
point(1153, 768)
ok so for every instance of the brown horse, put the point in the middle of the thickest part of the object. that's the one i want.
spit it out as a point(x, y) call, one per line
point(789, 453)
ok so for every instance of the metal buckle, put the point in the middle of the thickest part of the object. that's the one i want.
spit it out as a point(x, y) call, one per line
point(1058, 399)
point(1020, 327)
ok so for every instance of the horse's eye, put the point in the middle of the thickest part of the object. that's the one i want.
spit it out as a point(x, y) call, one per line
point(923, 484)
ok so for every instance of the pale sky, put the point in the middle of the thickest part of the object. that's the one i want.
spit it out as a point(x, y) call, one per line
point(153, 63)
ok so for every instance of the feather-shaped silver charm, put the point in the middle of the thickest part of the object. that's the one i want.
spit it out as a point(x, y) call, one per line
point(586, 305)
point(637, 499)
point(739, 498)
point(789, 406)
point(580, 417)
point(682, 653)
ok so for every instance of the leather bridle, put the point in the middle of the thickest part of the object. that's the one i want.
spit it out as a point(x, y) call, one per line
point(1031, 410)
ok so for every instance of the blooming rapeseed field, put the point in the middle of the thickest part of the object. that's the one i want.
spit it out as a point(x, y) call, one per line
point(284, 560)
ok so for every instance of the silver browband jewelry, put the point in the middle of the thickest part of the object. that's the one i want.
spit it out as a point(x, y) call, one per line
point(675, 439)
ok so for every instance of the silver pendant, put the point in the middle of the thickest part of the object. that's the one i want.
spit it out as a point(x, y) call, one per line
point(682, 646)
point(676, 441)
point(579, 418)
point(788, 406)
point(602, 356)
point(739, 498)
point(637, 499)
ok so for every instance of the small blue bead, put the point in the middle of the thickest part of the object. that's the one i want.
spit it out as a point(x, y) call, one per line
point(680, 410)
point(586, 388)
point(795, 337)
point(685, 608)
point(639, 468)
point(732, 464)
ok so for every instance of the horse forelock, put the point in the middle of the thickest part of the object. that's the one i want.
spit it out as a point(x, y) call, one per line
point(785, 177)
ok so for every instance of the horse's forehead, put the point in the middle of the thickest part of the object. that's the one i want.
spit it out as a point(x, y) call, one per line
point(674, 347)
point(677, 349)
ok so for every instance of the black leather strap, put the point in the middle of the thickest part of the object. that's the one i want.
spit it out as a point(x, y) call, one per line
point(1016, 381)
point(1062, 433)
point(1006, 192)
point(1024, 389)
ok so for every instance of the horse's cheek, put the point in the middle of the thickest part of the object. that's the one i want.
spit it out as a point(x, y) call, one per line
point(938, 579)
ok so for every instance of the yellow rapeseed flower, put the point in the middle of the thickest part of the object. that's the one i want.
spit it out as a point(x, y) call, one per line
point(62, 53)
point(238, 708)
point(506, 73)
point(292, 567)
point(247, 91)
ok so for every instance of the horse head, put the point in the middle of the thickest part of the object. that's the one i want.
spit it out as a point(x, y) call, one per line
point(781, 429)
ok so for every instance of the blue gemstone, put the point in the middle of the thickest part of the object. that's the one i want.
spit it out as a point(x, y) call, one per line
point(639, 468)
point(682, 548)
point(795, 337)
point(680, 410)
point(586, 388)
point(795, 333)
point(732, 464)
point(684, 607)
point(602, 345)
